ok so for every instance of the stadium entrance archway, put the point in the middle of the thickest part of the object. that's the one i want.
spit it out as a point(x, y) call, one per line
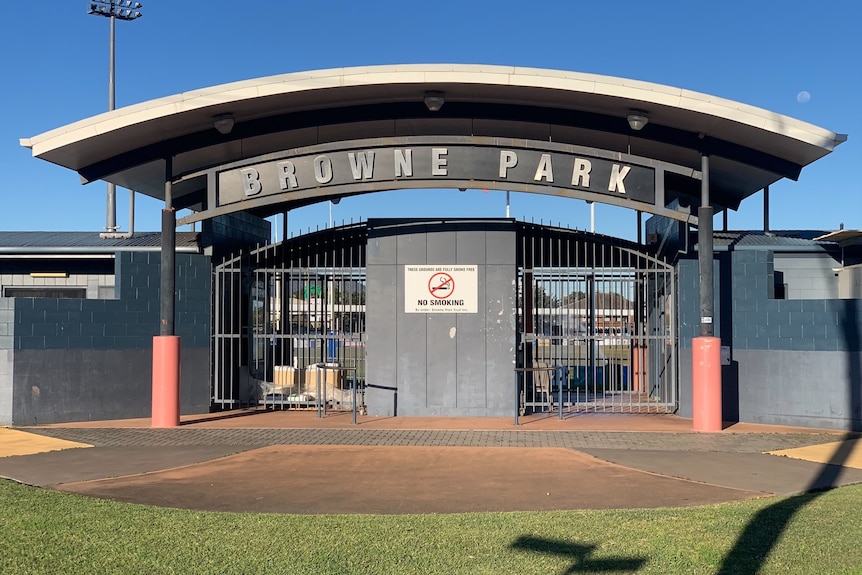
point(270, 145)
point(592, 316)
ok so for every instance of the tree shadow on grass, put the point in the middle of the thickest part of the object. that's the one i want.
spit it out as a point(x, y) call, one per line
point(758, 539)
point(579, 554)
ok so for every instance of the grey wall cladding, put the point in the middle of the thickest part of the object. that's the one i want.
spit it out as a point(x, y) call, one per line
point(440, 364)
point(793, 361)
point(77, 360)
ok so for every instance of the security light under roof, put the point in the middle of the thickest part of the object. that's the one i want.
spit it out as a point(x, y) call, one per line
point(434, 100)
point(637, 119)
point(223, 123)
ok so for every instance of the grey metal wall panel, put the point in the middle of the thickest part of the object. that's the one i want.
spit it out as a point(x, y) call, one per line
point(471, 372)
point(6, 379)
point(441, 364)
point(499, 246)
point(685, 382)
point(441, 248)
point(470, 247)
point(411, 248)
point(442, 342)
point(381, 347)
point(380, 250)
point(500, 329)
point(412, 355)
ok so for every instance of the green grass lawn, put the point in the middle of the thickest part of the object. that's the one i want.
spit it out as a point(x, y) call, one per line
point(43, 531)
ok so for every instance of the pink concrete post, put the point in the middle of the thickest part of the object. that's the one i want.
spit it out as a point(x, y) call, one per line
point(706, 384)
point(166, 381)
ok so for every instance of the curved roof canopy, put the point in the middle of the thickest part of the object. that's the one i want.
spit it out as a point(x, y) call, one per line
point(749, 147)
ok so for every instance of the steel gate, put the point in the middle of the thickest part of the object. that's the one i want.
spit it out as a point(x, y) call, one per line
point(284, 311)
point(596, 324)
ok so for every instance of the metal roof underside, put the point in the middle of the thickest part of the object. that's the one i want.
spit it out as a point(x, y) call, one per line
point(749, 147)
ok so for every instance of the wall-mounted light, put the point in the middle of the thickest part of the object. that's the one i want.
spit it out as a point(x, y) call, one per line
point(637, 119)
point(49, 274)
point(223, 123)
point(434, 100)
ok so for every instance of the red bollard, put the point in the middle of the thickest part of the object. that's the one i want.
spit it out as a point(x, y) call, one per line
point(706, 384)
point(166, 381)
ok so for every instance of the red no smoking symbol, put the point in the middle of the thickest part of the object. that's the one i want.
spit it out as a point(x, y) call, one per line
point(441, 285)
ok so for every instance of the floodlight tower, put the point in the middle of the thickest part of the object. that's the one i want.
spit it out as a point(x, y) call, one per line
point(122, 10)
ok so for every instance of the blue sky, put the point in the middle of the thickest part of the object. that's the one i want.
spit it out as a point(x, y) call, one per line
point(762, 53)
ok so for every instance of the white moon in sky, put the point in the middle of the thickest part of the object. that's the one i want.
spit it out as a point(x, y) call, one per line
point(803, 97)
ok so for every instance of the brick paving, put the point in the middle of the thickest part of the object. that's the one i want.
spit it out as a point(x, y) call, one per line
point(655, 441)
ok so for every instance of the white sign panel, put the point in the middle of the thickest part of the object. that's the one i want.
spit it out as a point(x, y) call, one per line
point(441, 289)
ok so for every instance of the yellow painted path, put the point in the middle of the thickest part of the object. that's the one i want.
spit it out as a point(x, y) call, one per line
point(14, 442)
point(849, 456)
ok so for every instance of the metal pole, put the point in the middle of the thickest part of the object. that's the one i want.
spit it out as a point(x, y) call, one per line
point(353, 393)
point(111, 216)
point(517, 398)
point(766, 209)
point(706, 348)
point(125, 10)
point(166, 346)
point(111, 92)
point(317, 372)
point(559, 369)
point(168, 261)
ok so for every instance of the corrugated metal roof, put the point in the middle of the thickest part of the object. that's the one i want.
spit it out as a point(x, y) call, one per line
point(783, 239)
point(89, 242)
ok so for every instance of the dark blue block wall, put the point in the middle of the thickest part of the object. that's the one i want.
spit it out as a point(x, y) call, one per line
point(793, 362)
point(78, 359)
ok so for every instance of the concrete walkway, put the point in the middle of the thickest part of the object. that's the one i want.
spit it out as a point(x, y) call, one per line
point(295, 462)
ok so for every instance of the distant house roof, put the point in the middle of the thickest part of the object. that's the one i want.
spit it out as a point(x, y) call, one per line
point(843, 237)
point(89, 242)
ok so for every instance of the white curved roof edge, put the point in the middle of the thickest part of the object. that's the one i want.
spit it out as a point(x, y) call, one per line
point(637, 90)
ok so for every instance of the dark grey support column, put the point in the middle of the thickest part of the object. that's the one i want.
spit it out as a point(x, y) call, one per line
point(766, 209)
point(705, 254)
point(168, 261)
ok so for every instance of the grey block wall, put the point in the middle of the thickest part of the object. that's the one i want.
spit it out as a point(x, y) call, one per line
point(440, 364)
point(793, 361)
point(808, 276)
point(77, 359)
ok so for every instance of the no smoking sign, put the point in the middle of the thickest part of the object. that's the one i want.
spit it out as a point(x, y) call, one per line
point(441, 285)
point(441, 288)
